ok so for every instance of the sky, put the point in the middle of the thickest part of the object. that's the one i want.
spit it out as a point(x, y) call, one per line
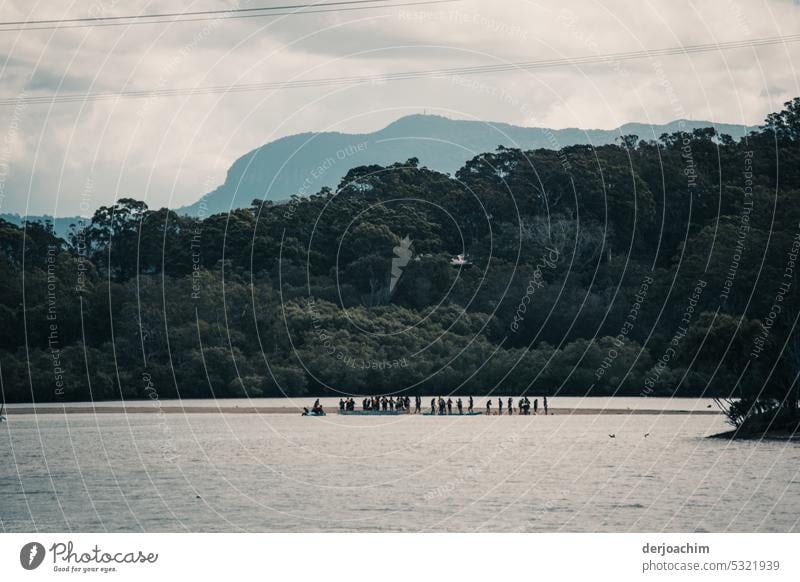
point(68, 159)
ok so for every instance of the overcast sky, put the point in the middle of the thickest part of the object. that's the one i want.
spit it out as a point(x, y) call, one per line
point(68, 159)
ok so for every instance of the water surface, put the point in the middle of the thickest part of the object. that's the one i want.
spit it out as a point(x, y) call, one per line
point(249, 472)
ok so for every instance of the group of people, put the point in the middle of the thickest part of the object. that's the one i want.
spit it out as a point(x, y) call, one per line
point(446, 407)
point(316, 410)
point(401, 403)
point(440, 406)
point(523, 408)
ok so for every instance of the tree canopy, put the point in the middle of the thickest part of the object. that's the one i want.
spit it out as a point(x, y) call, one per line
point(660, 267)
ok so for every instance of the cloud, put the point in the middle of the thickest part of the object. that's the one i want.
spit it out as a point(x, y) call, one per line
point(168, 150)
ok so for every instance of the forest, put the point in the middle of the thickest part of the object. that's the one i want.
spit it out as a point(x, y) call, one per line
point(662, 267)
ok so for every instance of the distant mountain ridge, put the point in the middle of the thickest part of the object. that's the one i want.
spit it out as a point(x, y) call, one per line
point(61, 224)
point(302, 164)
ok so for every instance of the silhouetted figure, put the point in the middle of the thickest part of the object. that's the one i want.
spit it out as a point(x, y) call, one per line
point(510, 405)
point(536, 406)
point(489, 407)
point(546, 408)
point(471, 407)
point(417, 404)
point(460, 406)
point(433, 405)
point(449, 406)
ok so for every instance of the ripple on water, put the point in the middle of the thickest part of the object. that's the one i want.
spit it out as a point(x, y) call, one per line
point(286, 473)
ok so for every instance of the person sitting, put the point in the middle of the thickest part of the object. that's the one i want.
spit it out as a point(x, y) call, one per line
point(317, 408)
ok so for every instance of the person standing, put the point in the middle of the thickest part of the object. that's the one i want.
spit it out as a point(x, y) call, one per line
point(460, 406)
point(417, 404)
point(433, 405)
point(489, 407)
point(500, 406)
point(536, 406)
point(510, 405)
point(471, 408)
point(449, 405)
point(545, 406)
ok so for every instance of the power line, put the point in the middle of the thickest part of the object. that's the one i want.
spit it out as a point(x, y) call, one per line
point(195, 13)
point(182, 17)
point(407, 75)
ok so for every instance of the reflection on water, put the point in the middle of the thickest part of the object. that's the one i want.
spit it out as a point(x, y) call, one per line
point(202, 472)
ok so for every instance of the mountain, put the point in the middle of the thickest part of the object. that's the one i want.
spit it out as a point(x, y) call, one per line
point(60, 225)
point(302, 164)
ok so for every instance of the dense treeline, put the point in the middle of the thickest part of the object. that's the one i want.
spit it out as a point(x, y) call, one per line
point(647, 267)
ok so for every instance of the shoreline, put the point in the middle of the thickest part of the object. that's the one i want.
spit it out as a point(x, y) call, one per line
point(156, 409)
point(780, 436)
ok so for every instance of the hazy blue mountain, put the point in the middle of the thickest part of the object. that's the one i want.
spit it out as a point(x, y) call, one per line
point(304, 163)
point(60, 225)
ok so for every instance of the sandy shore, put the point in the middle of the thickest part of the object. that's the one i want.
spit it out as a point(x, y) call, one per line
point(67, 409)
